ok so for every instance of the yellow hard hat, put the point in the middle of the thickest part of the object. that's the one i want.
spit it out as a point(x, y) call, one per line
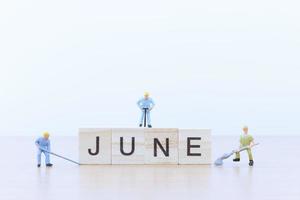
point(46, 134)
point(146, 94)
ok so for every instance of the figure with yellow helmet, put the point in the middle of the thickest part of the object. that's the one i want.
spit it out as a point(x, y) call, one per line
point(43, 145)
point(245, 140)
point(146, 104)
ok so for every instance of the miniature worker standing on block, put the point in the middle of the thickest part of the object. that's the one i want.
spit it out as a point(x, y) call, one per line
point(43, 145)
point(245, 140)
point(146, 104)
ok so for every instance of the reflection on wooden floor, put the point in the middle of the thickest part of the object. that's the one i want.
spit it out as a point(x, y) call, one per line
point(275, 175)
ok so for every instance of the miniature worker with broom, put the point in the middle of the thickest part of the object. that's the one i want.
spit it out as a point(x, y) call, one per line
point(246, 143)
point(245, 140)
point(43, 145)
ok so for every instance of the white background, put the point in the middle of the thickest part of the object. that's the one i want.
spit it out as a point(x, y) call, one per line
point(207, 64)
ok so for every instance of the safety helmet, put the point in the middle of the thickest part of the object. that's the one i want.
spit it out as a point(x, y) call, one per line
point(46, 134)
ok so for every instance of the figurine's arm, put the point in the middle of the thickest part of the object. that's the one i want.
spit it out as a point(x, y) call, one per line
point(152, 105)
point(252, 142)
point(139, 103)
point(48, 146)
point(37, 143)
point(241, 142)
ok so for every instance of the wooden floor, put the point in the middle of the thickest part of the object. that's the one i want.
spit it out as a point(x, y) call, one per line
point(276, 174)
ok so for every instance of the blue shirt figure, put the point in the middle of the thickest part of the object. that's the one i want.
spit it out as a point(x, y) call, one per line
point(146, 104)
point(43, 145)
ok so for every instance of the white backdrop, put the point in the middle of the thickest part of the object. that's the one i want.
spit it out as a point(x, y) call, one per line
point(208, 64)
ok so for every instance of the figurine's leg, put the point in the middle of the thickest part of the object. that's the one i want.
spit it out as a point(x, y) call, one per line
point(38, 156)
point(148, 118)
point(251, 162)
point(237, 157)
point(47, 157)
point(249, 154)
point(142, 118)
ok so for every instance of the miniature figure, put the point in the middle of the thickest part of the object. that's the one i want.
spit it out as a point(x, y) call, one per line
point(146, 104)
point(43, 145)
point(245, 140)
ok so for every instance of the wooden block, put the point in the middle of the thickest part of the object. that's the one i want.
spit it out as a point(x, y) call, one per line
point(194, 146)
point(161, 146)
point(128, 146)
point(95, 146)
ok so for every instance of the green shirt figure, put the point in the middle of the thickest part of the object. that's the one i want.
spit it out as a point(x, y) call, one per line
point(245, 140)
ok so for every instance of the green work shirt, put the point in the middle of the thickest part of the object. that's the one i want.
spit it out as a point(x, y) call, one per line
point(245, 140)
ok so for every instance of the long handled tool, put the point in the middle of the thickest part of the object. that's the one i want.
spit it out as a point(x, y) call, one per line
point(219, 161)
point(60, 156)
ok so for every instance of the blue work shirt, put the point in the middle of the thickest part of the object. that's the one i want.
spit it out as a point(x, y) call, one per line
point(145, 103)
point(43, 143)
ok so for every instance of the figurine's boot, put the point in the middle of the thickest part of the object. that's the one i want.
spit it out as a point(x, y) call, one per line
point(237, 157)
point(250, 157)
point(149, 126)
point(38, 165)
point(49, 165)
point(251, 163)
point(140, 125)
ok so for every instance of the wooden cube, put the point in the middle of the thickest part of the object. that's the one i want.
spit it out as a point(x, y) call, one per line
point(128, 146)
point(161, 146)
point(95, 146)
point(194, 146)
